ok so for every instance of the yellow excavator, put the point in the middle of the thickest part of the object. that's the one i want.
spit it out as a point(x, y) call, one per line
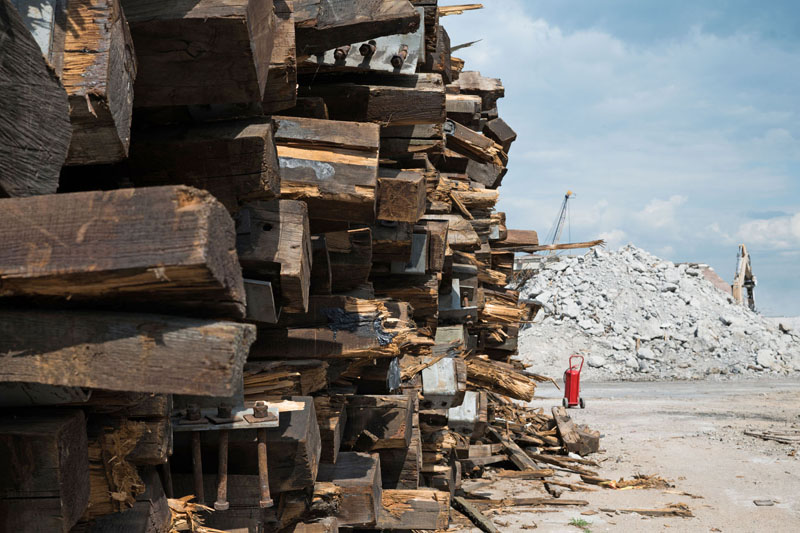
point(744, 279)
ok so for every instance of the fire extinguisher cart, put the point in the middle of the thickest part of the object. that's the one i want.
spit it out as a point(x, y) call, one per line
point(572, 384)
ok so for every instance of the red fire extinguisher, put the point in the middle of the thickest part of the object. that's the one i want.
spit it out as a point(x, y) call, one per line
point(572, 384)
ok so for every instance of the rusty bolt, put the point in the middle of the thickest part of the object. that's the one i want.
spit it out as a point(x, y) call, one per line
point(367, 49)
point(224, 410)
point(261, 409)
point(340, 53)
point(193, 412)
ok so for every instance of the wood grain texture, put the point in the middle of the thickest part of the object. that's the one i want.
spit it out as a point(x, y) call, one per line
point(120, 351)
point(322, 25)
point(350, 255)
point(383, 98)
point(414, 509)
point(235, 161)
point(31, 95)
point(388, 417)
point(44, 470)
point(159, 247)
point(330, 165)
point(99, 70)
point(401, 195)
point(358, 475)
point(280, 92)
point(201, 51)
point(489, 89)
point(273, 243)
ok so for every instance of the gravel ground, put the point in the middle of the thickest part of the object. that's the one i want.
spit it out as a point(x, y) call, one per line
point(691, 434)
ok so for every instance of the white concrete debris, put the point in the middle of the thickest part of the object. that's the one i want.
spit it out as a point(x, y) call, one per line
point(635, 316)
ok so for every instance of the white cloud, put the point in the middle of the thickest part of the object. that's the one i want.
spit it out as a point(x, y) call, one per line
point(780, 233)
point(614, 238)
point(660, 213)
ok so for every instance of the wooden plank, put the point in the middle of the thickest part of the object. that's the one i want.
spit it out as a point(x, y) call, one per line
point(571, 439)
point(150, 512)
point(388, 417)
point(121, 351)
point(358, 475)
point(44, 470)
point(235, 161)
point(382, 98)
point(159, 247)
point(414, 509)
point(438, 60)
point(520, 459)
point(202, 51)
point(350, 255)
point(264, 380)
point(99, 72)
point(280, 92)
point(324, 25)
point(331, 165)
point(421, 291)
point(31, 156)
point(323, 525)
point(320, 266)
point(518, 237)
point(462, 505)
point(472, 144)
point(273, 243)
point(332, 418)
point(489, 89)
point(460, 233)
point(391, 242)
point(401, 195)
point(500, 132)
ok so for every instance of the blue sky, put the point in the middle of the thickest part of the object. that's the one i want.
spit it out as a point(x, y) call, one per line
point(677, 124)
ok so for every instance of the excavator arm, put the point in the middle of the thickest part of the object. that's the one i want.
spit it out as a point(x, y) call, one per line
point(744, 279)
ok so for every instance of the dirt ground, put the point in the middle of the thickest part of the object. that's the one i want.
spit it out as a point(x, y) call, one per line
point(691, 434)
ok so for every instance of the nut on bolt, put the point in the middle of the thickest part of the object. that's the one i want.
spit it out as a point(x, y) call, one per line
point(368, 49)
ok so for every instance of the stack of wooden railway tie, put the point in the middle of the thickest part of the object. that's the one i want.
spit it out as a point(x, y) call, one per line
point(250, 254)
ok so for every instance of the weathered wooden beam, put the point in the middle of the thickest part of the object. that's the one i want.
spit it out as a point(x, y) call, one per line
point(159, 247)
point(331, 165)
point(150, 512)
point(460, 233)
point(489, 89)
point(120, 351)
point(517, 238)
point(500, 132)
point(273, 243)
point(235, 161)
point(414, 509)
point(44, 470)
point(462, 505)
point(383, 98)
point(517, 456)
point(571, 438)
point(463, 108)
point(388, 417)
point(401, 195)
point(332, 418)
point(31, 96)
point(322, 26)
point(350, 254)
point(99, 72)
point(438, 60)
point(280, 92)
point(320, 266)
point(358, 475)
point(201, 52)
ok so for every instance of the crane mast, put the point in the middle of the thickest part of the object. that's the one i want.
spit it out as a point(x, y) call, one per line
point(562, 217)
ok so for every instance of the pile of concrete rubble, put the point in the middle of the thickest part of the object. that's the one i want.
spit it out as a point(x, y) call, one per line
point(636, 316)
